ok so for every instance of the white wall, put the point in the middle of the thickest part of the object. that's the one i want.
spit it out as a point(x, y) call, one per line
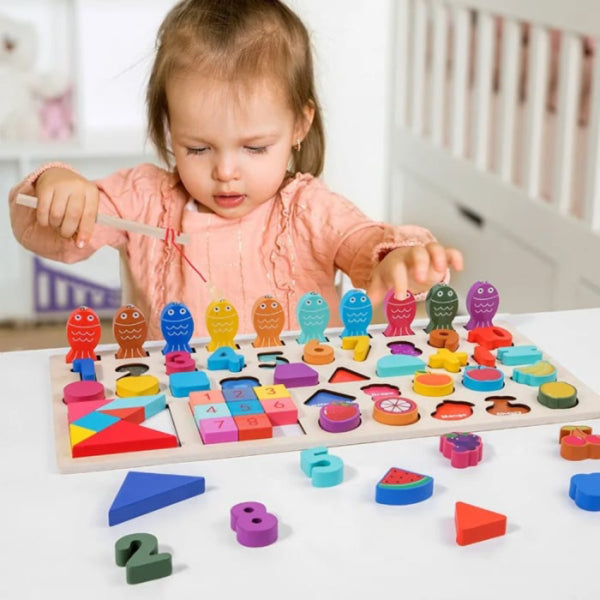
point(108, 44)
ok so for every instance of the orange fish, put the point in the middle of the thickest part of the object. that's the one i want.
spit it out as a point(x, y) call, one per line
point(83, 334)
point(130, 330)
point(268, 320)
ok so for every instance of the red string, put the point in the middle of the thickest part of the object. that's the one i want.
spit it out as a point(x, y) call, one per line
point(170, 236)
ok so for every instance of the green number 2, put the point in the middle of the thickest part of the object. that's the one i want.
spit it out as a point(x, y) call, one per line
point(138, 553)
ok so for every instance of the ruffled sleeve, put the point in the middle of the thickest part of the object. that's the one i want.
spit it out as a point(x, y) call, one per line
point(338, 235)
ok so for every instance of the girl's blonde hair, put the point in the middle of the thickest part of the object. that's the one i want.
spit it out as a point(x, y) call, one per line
point(238, 41)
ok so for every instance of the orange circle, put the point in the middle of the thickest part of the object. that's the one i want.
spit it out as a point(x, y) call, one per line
point(395, 411)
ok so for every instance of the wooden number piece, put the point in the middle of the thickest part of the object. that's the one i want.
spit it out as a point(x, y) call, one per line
point(254, 526)
point(138, 553)
point(316, 353)
point(324, 469)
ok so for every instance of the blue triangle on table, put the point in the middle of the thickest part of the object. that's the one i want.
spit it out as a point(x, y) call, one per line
point(141, 493)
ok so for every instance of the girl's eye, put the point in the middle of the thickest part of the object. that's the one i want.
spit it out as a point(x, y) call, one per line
point(196, 150)
point(256, 149)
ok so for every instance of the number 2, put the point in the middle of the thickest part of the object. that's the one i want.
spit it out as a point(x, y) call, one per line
point(137, 552)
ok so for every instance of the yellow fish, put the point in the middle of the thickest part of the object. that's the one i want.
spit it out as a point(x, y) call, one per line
point(222, 323)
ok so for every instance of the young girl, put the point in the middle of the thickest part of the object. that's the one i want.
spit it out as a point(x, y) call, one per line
point(233, 113)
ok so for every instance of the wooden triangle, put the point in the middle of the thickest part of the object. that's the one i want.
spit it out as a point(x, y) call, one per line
point(474, 524)
point(343, 375)
point(134, 414)
point(124, 436)
point(141, 493)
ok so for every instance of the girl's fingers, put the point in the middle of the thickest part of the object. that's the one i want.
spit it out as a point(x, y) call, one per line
point(417, 263)
point(88, 218)
point(72, 216)
point(43, 208)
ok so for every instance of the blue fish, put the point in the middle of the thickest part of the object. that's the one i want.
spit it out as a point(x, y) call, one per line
point(313, 316)
point(356, 312)
point(177, 326)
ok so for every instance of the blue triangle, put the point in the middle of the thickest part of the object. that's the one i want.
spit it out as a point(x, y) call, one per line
point(141, 493)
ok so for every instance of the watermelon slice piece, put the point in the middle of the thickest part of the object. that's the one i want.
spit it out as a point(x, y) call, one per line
point(399, 486)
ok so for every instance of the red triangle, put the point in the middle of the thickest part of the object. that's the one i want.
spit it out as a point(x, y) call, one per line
point(343, 375)
point(474, 524)
point(134, 414)
point(124, 436)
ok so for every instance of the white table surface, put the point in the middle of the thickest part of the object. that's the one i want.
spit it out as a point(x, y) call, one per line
point(334, 542)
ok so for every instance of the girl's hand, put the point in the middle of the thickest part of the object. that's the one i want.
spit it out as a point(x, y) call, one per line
point(68, 203)
point(414, 268)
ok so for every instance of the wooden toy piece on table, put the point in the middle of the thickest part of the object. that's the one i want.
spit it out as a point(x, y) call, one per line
point(254, 526)
point(138, 553)
point(474, 524)
point(482, 304)
point(400, 314)
point(577, 442)
point(338, 417)
point(324, 469)
point(268, 320)
point(141, 493)
point(400, 487)
point(316, 353)
point(433, 384)
point(441, 305)
point(130, 330)
point(359, 343)
point(448, 360)
point(83, 334)
point(395, 411)
point(490, 337)
point(584, 490)
point(535, 375)
point(444, 338)
point(356, 312)
point(227, 358)
point(312, 313)
point(463, 449)
point(557, 394)
point(222, 324)
point(177, 327)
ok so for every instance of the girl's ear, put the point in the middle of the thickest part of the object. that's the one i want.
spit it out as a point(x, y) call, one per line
point(303, 124)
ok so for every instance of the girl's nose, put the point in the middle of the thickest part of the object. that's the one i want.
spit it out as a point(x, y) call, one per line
point(225, 167)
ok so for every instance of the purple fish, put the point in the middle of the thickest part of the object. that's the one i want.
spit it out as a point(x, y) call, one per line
point(482, 303)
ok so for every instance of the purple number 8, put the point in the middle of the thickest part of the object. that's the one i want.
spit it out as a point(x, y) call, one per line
point(255, 527)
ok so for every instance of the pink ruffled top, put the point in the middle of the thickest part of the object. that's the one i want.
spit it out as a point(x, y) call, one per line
point(292, 244)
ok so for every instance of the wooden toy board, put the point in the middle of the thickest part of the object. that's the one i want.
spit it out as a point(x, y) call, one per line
point(308, 433)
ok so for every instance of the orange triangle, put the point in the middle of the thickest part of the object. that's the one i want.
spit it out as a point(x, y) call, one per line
point(343, 375)
point(134, 414)
point(124, 436)
point(474, 524)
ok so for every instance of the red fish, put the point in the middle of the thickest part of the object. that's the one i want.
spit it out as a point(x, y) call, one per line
point(400, 314)
point(83, 334)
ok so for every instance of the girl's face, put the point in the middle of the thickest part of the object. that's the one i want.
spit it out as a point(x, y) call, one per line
point(231, 143)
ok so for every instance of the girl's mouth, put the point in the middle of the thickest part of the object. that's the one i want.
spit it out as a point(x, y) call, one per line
point(229, 200)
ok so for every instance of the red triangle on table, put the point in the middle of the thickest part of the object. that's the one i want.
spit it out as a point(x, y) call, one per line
point(124, 436)
point(343, 375)
point(474, 524)
point(133, 414)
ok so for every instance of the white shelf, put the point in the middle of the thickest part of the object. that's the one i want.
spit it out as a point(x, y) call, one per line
point(113, 144)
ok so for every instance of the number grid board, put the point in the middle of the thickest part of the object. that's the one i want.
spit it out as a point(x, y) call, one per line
point(460, 409)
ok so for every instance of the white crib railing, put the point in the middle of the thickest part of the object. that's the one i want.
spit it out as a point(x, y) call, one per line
point(461, 85)
point(489, 112)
